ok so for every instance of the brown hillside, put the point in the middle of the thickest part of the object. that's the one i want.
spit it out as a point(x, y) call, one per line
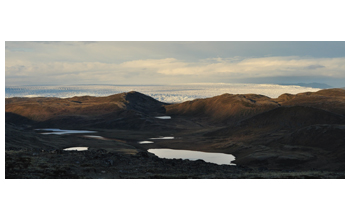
point(42, 109)
point(332, 100)
point(224, 107)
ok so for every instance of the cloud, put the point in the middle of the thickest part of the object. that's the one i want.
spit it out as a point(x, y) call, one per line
point(159, 62)
point(312, 67)
point(122, 51)
point(236, 67)
point(243, 67)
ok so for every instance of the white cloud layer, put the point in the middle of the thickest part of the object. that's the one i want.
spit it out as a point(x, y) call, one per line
point(29, 63)
point(149, 70)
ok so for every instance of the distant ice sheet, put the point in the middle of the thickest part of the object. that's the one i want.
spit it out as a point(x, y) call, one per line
point(164, 93)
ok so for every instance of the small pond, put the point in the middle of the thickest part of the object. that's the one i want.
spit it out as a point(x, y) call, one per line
point(162, 138)
point(76, 148)
point(96, 137)
point(145, 142)
point(163, 117)
point(217, 158)
point(59, 131)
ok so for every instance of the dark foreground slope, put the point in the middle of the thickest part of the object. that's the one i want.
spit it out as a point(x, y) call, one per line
point(282, 118)
point(293, 136)
point(306, 132)
point(30, 155)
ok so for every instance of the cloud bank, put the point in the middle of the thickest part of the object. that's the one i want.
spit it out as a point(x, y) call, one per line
point(234, 68)
point(37, 63)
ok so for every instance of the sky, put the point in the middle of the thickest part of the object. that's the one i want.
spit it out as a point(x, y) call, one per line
point(169, 62)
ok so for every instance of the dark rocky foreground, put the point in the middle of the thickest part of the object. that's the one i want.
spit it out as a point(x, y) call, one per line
point(294, 136)
point(101, 164)
point(41, 160)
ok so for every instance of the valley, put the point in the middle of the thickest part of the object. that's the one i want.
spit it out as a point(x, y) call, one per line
point(292, 136)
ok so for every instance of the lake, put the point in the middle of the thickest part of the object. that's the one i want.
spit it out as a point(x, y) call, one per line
point(145, 142)
point(96, 137)
point(59, 131)
point(76, 148)
point(217, 158)
point(163, 117)
point(162, 138)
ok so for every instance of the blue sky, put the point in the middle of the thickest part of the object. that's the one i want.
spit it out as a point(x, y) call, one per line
point(166, 62)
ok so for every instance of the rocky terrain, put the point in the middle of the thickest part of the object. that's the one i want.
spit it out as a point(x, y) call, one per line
point(292, 136)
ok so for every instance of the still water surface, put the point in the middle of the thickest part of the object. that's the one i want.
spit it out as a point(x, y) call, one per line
point(59, 131)
point(145, 142)
point(162, 138)
point(76, 148)
point(96, 137)
point(217, 158)
point(163, 117)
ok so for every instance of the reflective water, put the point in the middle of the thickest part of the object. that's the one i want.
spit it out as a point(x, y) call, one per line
point(145, 142)
point(163, 117)
point(96, 137)
point(76, 148)
point(217, 158)
point(59, 131)
point(162, 138)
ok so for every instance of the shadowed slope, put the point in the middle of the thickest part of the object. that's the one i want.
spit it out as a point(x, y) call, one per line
point(326, 136)
point(142, 103)
point(17, 119)
point(289, 118)
point(319, 147)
